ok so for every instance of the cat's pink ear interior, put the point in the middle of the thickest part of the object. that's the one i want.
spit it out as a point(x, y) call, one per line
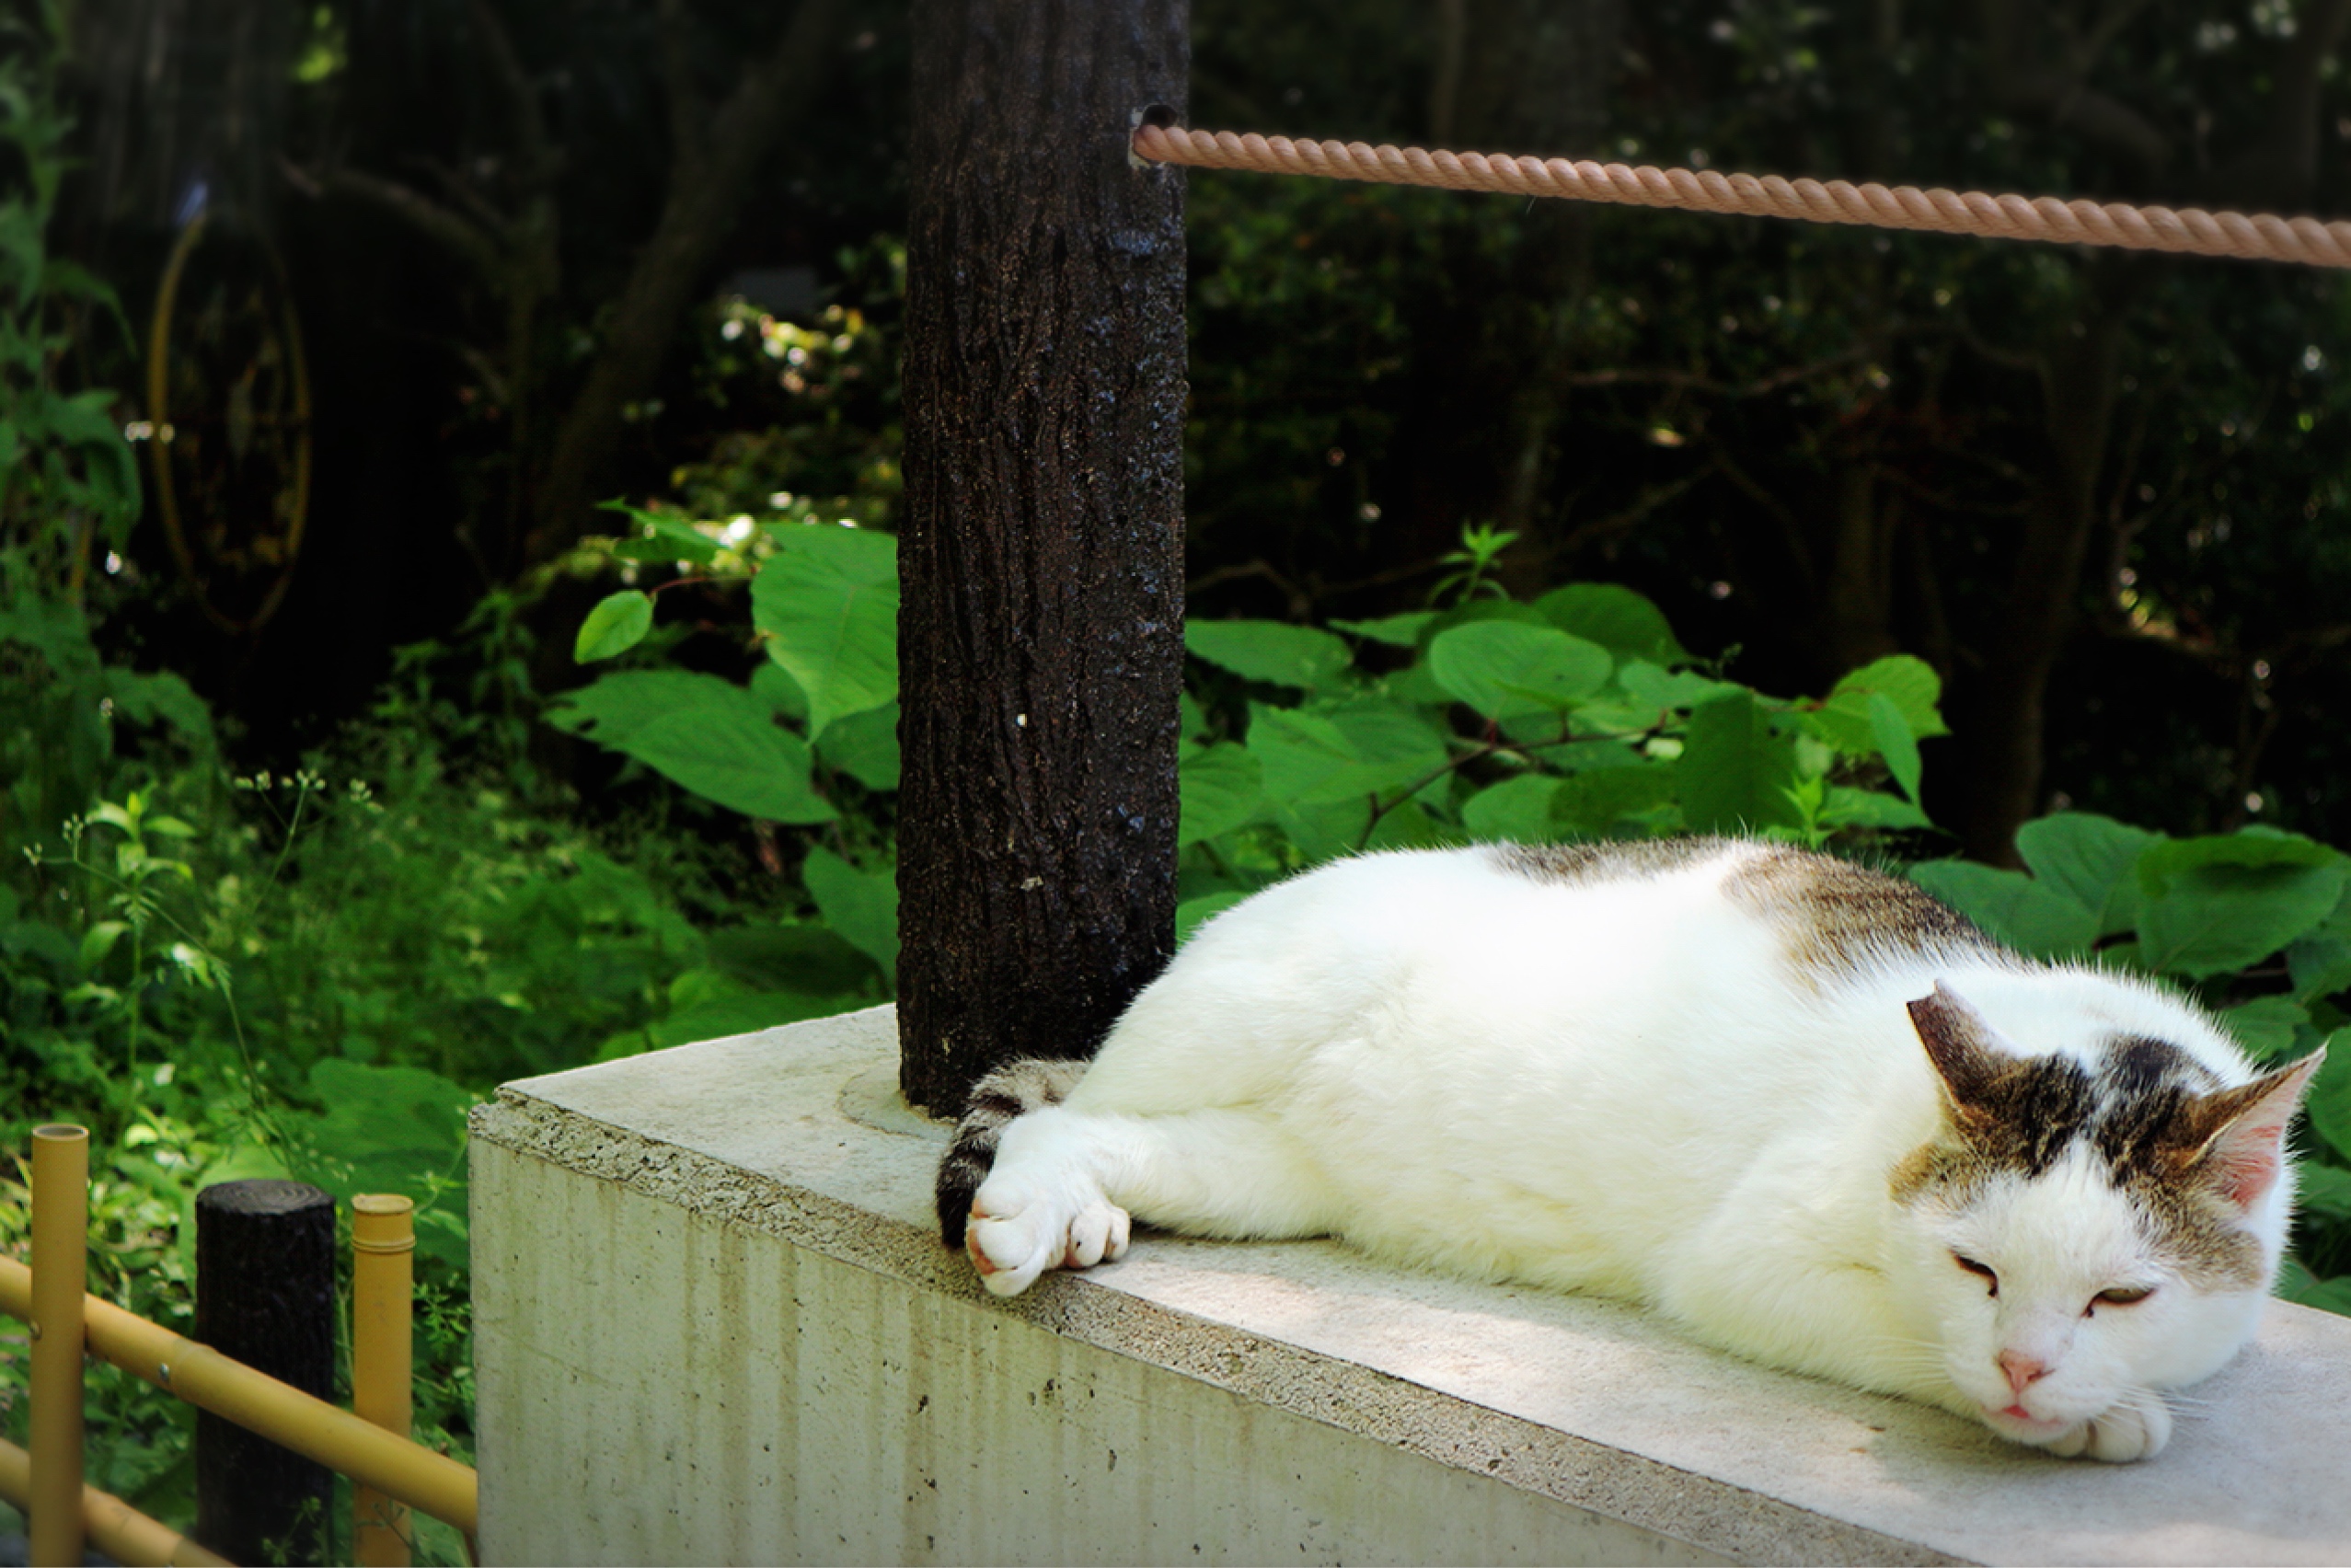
point(1965, 1050)
point(2243, 1146)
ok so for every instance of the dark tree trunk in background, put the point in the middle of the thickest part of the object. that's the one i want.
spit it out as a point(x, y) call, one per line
point(265, 1295)
point(1042, 633)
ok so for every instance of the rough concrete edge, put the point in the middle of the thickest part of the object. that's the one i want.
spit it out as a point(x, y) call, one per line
point(1713, 1515)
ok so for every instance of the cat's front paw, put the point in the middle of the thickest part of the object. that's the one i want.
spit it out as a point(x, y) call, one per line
point(1018, 1230)
point(2136, 1427)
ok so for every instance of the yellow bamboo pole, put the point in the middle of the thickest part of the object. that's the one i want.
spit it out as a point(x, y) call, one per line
point(431, 1483)
point(60, 1275)
point(113, 1526)
point(383, 1287)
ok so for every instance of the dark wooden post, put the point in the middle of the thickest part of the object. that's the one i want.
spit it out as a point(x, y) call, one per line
point(1042, 633)
point(265, 1295)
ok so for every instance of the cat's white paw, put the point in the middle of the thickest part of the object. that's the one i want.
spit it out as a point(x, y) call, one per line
point(1019, 1229)
point(2136, 1427)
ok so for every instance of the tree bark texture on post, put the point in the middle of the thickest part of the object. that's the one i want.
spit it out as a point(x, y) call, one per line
point(265, 1295)
point(1042, 560)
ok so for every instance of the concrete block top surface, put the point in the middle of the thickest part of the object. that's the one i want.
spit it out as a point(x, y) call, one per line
point(801, 1131)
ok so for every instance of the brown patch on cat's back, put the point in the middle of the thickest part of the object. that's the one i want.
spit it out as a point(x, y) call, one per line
point(1835, 915)
point(1610, 858)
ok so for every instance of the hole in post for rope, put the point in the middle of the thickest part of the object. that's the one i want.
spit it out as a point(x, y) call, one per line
point(1159, 114)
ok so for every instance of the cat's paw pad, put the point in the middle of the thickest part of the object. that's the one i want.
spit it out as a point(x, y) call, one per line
point(1017, 1232)
point(2136, 1428)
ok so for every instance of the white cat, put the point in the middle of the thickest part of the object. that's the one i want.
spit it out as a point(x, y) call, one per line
point(1799, 1107)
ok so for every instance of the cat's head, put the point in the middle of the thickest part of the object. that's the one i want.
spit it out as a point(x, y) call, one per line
point(2083, 1228)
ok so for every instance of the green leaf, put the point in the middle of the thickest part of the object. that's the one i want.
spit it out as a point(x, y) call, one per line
point(1657, 691)
point(1848, 807)
point(2090, 857)
point(2266, 1027)
point(812, 959)
point(1623, 622)
point(1194, 912)
point(618, 623)
point(99, 940)
point(392, 1129)
point(828, 604)
point(2220, 915)
point(1503, 667)
point(2032, 917)
point(863, 745)
point(666, 539)
point(1894, 743)
point(2322, 1189)
point(1268, 651)
point(2161, 863)
point(1298, 754)
point(1397, 631)
point(1222, 786)
point(861, 905)
point(2297, 1285)
point(1844, 721)
point(741, 1012)
point(2330, 1095)
point(703, 733)
point(1516, 810)
point(1734, 772)
point(1596, 804)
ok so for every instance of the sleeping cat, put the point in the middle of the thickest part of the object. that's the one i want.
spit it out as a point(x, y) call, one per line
point(1800, 1108)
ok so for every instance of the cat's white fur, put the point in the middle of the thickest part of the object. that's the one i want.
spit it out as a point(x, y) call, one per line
point(1627, 1085)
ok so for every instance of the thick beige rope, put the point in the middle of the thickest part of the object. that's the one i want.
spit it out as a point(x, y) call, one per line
point(2258, 237)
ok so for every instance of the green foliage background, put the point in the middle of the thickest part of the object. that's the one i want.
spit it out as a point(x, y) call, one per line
point(1467, 486)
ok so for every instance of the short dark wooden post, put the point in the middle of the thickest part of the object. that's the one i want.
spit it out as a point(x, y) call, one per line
point(265, 1295)
point(1042, 633)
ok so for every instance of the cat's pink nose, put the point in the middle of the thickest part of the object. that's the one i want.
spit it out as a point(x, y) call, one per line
point(2021, 1369)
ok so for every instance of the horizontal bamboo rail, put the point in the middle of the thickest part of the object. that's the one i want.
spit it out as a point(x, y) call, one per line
point(113, 1525)
point(431, 1483)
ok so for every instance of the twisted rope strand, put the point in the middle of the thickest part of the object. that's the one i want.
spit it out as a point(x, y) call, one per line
point(2252, 236)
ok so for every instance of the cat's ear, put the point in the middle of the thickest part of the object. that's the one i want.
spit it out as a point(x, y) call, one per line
point(1965, 1049)
point(2236, 1137)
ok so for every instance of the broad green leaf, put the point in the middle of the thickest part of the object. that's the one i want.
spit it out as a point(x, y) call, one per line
point(1843, 718)
point(618, 623)
point(861, 905)
point(1193, 913)
point(828, 602)
point(1222, 787)
point(1623, 622)
point(1895, 743)
point(1300, 756)
point(741, 1012)
point(773, 685)
point(2266, 1026)
point(1504, 667)
point(1734, 772)
point(1657, 690)
point(1593, 804)
point(2032, 917)
point(1394, 747)
point(2220, 915)
point(2165, 860)
point(1274, 651)
point(863, 745)
point(662, 538)
point(812, 959)
point(1848, 807)
point(2330, 1095)
point(1397, 631)
point(2297, 1285)
point(99, 940)
point(2090, 857)
point(392, 1129)
point(1516, 810)
point(703, 733)
point(2323, 1189)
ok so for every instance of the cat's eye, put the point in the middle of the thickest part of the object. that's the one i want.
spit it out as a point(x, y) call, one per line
point(2121, 1295)
point(1982, 1271)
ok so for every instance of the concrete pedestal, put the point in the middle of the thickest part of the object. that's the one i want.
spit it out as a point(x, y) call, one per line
point(714, 1324)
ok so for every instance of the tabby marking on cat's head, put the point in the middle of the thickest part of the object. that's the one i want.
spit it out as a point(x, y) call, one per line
point(2188, 1153)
